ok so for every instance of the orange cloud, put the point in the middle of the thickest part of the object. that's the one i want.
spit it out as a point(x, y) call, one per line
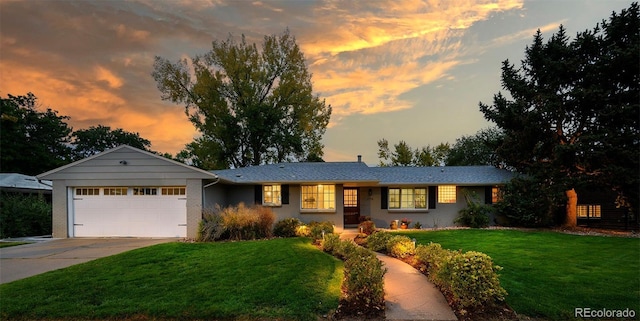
point(365, 58)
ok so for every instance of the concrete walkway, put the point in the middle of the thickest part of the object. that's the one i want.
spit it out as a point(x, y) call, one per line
point(409, 294)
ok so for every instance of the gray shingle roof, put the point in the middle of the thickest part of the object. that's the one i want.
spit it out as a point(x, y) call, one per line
point(23, 182)
point(358, 172)
point(455, 175)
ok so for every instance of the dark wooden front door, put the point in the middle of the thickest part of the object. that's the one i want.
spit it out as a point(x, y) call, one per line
point(351, 205)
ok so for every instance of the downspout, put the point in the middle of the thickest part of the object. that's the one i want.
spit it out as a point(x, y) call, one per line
point(204, 201)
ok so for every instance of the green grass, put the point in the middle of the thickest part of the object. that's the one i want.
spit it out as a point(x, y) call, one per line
point(548, 274)
point(284, 279)
point(9, 244)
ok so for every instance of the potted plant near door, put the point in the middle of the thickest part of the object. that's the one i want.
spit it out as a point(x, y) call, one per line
point(404, 223)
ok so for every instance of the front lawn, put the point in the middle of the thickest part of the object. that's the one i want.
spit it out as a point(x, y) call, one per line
point(285, 279)
point(549, 274)
point(10, 244)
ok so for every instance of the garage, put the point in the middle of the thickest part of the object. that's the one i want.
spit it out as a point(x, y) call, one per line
point(127, 192)
point(129, 211)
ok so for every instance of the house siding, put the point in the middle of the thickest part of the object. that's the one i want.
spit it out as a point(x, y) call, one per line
point(59, 206)
point(441, 216)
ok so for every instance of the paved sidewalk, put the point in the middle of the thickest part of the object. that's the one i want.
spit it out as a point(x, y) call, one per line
point(409, 294)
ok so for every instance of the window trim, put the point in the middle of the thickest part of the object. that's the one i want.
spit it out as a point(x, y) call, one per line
point(442, 189)
point(588, 209)
point(113, 188)
point(318, 210)
point(391, 204)
point(80, 191)
point(278, 202)
point(134, 191)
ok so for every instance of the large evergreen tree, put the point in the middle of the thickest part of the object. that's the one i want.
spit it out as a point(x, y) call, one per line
point(571, 117)
point(252, 106)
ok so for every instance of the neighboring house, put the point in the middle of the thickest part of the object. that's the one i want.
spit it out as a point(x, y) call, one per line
point(597, 208)
point(125, 191)
point(14, 183)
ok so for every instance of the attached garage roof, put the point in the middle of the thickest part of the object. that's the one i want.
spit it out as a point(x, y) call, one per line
point(126, 162)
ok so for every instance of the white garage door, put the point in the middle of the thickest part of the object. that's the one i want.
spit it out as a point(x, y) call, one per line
point(130, 212)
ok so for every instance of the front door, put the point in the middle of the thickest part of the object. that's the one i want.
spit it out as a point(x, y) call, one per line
point(351, 206)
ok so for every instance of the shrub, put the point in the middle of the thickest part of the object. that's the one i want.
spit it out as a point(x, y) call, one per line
point(239, 221)
point(316, 229)
point(24, 215)
point(287, 227)
point(367, 227)
point(378, 241)
point(210, 228)
point(430, 255)
point(363, 283)
point(264, 227)
point(236, 223)
point(476, 214)
point(346, 249)
point(472, 279)
point(331, 243)
point(400, 246)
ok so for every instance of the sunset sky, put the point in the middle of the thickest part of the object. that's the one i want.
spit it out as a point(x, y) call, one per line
point(400, 70)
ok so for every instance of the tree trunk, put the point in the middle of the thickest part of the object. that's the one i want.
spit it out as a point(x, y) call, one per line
point(572, 208)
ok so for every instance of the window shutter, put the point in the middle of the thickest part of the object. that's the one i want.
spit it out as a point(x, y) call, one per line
point(384, 198)
point(284, 189)
point(258, 194)
point(488, 195)
point(433, 194)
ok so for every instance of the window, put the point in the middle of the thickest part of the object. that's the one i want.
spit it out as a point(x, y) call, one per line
point(115, 191)
point(272, 195)
point(318, 197)
point(496, 195)
point(87, 191)
point(447, 194)
point(407, 198)
point(174, 191)
point(588, 211)
point(350, 197)
point(145, 191)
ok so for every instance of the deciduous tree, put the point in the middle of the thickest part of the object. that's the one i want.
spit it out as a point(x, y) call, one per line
point(252, 106)
point(32, 141)
point(99, 138)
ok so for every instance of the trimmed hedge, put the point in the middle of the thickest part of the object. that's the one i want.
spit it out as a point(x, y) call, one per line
point(400, 246)
point(378, 241)
point(470, 278)
point(287, 227)
point(363, 277)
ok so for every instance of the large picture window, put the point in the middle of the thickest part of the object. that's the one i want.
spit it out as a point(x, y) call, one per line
point(271, 195)
point(318, 197)
point(407, 198)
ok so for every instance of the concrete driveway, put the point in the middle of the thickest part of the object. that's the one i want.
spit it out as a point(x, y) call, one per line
point(18, 262)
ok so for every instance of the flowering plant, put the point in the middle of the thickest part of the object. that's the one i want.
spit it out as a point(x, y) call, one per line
point(405, 221)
